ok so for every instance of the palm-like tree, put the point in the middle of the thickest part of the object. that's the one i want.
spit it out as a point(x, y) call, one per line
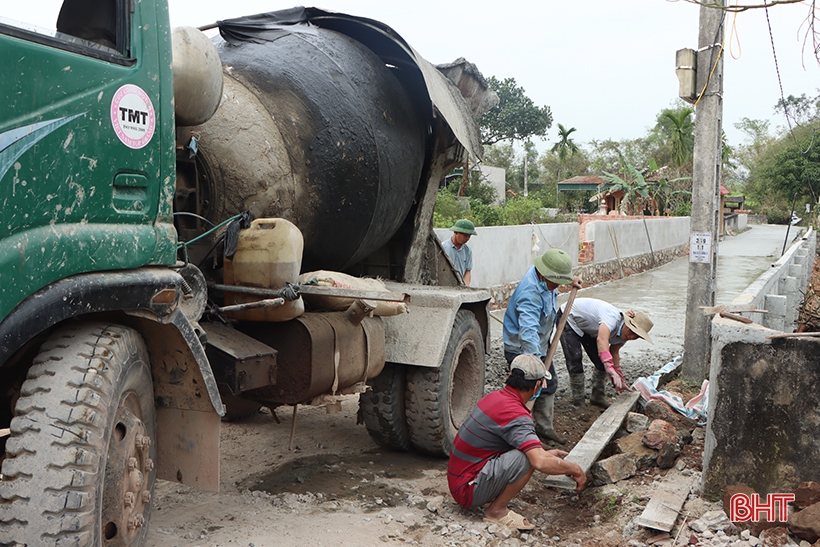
point(681, 132)
point(565, 146)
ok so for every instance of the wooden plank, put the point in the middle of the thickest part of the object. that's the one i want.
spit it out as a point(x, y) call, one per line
point(586, 452)
point(664, 507)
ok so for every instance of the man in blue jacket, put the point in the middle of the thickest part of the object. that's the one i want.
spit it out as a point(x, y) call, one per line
point(529, 321)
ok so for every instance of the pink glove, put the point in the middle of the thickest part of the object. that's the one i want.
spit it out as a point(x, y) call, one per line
point(614, 371)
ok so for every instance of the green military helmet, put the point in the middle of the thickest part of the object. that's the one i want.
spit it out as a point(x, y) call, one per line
point(464, 226)
point(555, 265)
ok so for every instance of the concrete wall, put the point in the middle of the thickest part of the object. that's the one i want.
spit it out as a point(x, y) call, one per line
point(502, 254)
point(629, 238)
point(735, 223)
point(764, 406)
point(497, 178)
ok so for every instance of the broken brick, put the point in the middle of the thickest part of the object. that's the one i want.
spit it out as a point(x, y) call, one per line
point(631, 444)
point(636, 422)
point(807, 493)
point(805, 524)
point(667, 455)
point(613, 469)
point(659, 433)
point(775, 537)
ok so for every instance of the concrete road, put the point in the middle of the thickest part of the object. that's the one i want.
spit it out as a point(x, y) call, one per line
point(661, 292)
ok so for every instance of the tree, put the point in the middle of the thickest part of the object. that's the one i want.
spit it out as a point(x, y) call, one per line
point(515, 117)
point(565, 145)
point(680, 130)
point(633, 185)
point(801, 110)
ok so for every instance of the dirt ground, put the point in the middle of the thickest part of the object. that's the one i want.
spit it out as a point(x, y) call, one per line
point(336, 487)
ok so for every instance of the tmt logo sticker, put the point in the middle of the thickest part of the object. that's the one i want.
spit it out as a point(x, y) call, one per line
point(133, 116)
point(743, 507)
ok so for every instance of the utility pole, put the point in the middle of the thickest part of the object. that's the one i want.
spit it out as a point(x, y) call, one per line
point(704, 227)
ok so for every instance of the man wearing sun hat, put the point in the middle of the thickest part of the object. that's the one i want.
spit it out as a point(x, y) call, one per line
point(497, 450)
point(457, 249)
point(601, 330)
point(528, 323)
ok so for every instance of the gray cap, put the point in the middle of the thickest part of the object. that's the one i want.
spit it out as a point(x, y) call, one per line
point(532, 367)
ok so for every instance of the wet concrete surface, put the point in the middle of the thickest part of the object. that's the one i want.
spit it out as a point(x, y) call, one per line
point(661, 292)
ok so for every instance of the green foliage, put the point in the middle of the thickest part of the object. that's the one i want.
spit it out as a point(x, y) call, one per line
point(801, 110)
point(521, 210)
point(634, 185)
point(447, 210)
point(565, 146)
point(515, 117)
point(486, 215)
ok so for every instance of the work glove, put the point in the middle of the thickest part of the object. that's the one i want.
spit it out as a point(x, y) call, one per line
point(614, 371)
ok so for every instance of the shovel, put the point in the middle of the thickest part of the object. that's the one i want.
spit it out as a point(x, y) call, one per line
point(558, 330)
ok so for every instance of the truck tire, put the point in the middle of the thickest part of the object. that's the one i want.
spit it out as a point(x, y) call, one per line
point(440, 399)
point(79, 467)
point(237, 408)
point(382, 408)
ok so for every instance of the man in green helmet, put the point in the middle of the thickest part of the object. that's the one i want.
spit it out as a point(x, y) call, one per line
point(457, 249)
point(528, 323)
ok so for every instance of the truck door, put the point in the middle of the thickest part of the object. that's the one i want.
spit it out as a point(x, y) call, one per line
point(82, 164)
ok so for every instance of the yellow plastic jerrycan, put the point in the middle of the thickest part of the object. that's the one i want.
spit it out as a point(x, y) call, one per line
point(268, 254)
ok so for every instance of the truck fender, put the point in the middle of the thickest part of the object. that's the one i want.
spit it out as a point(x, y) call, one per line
point(419, 337)
point(152, 293)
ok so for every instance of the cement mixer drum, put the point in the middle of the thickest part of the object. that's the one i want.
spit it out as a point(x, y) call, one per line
point(314, 128)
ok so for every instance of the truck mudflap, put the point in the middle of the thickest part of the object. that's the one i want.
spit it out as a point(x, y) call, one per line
point(420, 336)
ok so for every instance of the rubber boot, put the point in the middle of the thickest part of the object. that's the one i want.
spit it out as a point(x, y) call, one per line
point(598, 396)
point(542, 413)
point(576, 381)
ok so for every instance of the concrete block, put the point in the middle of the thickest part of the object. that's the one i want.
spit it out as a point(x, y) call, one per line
point(805, 524)
point(776, 318)
point(716, 521)
point(614, 469)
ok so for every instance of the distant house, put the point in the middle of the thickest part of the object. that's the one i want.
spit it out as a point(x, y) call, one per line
point(605, 201)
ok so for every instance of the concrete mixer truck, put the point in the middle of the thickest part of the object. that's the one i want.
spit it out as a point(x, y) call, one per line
point(170, 206)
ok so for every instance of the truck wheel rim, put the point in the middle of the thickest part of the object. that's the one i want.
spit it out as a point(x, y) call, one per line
point(126, 493)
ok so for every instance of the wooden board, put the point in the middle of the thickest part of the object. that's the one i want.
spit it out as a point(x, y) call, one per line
point(664, 507)
point(588, 449)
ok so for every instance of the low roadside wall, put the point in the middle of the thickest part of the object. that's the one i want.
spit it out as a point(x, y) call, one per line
point(764, 405)
point(614, 240)
point(502, 254)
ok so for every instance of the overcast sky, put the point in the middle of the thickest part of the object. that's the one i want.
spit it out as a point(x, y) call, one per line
point(605, 67)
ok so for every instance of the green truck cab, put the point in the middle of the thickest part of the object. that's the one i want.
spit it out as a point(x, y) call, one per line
point(90, 289)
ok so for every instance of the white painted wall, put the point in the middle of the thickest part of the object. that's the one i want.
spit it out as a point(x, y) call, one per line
point(497, 178)
point(502, 254)
point(632, 238)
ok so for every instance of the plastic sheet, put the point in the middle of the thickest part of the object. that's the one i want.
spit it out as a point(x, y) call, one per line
point(695, 408)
